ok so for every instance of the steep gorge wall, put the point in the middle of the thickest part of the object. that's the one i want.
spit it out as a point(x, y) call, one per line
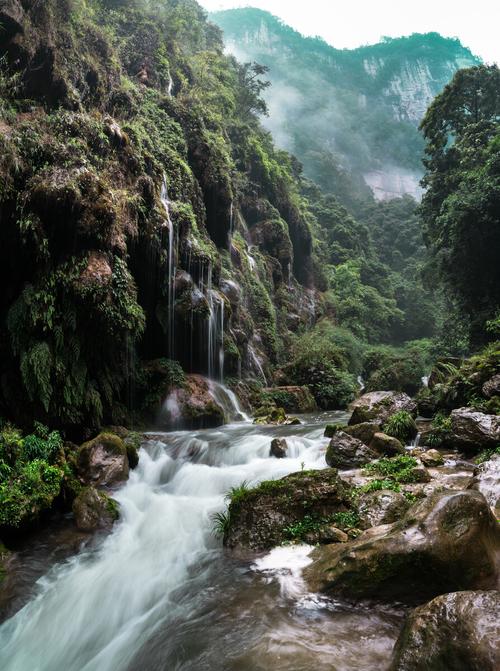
point(144, 213)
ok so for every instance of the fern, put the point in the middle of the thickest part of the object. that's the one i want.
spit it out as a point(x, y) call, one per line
point(36, 367)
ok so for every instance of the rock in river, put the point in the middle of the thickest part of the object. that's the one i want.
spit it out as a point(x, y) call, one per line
point(103, 461)
point(346, 452)
point(445, 543)
point(454, 632)
point(378, 406)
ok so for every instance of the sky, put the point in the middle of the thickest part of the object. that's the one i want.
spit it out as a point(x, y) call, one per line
point(352, 23)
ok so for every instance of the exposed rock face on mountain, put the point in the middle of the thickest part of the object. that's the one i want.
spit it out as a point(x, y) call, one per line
point(382, 90)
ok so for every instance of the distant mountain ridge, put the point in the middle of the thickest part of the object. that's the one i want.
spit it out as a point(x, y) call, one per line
point(351, 116)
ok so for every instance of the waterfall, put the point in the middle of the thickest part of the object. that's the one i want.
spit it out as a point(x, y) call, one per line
point(361, 382)
point(228, 401)
point(231, 223)
point(171, 272)
point(257, 363)
point(425, 380)
point(215, 330)
point(170, 85)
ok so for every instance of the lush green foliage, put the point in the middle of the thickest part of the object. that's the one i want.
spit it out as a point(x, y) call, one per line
point(401, 425)
point(460, 209)
point(398, 469)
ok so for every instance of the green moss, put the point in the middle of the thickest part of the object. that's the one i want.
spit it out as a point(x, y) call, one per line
point(401, 425)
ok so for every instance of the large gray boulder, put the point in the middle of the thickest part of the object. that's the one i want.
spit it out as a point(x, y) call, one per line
point(346, 452)
point(492, 386)
point(449, 541)
point(453, 632)
point(378, 406)
point(364, 431)
point(103, 461)
point(474, 431)
point(381, 507)
point(487, 481)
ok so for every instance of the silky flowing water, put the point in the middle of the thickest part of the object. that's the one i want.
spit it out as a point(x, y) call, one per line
point(160, 593)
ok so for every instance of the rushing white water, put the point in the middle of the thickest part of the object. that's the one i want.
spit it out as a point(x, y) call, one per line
point(286, 564)
point(228, 401)
point(96, 611)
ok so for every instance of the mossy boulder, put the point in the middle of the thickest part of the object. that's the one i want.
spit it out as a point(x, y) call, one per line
point(431, 458)
point(378, 406)
point(444, 543)
point(363, 431)
point(345, 452)
point(133, 443)
point(280, 510)
point(273, 415)
point(191, 406)
point(94, 510)
point(458, 631)
point(103, 461)
point(386, 445)
point(487, 481)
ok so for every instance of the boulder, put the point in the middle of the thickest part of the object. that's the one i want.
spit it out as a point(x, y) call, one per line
point(444, 543)
point(381, 507)
point(364, 431)
point(431, 458)
point(474, 431)
point(279, 448)
point(274, 415)
point(378, 406)
point(487, 481)
point(264, 517)
point(326, 535)
point(346, 452)
point(454, 632)
point(386, 445)
point(492, 386)
point(191, 406)
point(291, 398)
point(94, 510)
point(103, 461)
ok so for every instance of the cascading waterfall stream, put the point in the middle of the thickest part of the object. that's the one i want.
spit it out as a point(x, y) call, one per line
point(171, 270)
point(159, 593)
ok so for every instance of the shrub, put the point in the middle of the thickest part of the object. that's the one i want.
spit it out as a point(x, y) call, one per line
point(401, 425)
point(398, 469)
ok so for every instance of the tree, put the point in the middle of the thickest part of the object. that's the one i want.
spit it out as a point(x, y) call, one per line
point(461, 208)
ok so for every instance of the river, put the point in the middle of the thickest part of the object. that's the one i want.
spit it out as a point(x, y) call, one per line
point(160, 593)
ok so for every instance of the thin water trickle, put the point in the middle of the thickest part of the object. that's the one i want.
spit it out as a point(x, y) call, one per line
point(160, 593)
point(171, 271)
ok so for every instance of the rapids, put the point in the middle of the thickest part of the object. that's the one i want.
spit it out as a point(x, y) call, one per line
point(160, 593)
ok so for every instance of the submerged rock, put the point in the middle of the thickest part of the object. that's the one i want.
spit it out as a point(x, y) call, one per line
point(280, 510)
point(473, 431)
point(94, 510)
point(378, 406)
point(345, 452)
point(279, 448)
point(103, 461)
point(446, 542)
point(453, 632)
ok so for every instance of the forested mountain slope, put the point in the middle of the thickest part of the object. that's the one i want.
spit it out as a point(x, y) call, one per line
point(347, 111)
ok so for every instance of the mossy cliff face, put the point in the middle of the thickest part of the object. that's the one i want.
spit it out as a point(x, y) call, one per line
point(144, 212)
